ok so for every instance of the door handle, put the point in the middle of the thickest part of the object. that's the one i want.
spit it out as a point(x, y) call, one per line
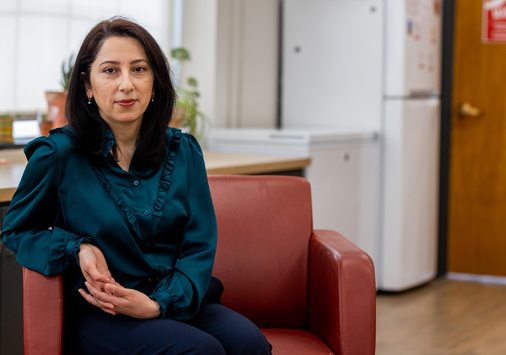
point(466, 110)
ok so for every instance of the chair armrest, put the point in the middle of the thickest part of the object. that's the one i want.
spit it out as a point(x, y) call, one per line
point(42, 313)
point(342, 294)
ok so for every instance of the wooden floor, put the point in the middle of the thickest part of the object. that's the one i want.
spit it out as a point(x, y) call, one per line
point(444, 317)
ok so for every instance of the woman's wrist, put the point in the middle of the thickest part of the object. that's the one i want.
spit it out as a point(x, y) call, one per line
point(156, 309)
point(82, 246)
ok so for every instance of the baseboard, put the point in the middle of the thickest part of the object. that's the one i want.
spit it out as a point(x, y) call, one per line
point(488, 279)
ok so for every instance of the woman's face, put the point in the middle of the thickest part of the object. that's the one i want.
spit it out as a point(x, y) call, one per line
point(121, 81)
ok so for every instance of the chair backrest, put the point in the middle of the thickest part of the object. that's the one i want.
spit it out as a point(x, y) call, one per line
point(42, 313)
point(264, 226)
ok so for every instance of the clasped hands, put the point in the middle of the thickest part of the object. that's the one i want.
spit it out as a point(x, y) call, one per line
point(105, 293)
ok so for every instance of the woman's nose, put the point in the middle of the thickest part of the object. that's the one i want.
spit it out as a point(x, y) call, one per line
point(126, 82)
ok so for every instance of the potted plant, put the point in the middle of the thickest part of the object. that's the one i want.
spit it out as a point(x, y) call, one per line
point(186, 113)
point(56, 99)
point(45, 126)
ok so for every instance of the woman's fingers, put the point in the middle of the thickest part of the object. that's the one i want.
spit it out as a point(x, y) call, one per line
point(88, 297)
point(100, 278)
point(101, 298)
point(113, 281)
point(114, 299)
point(91, 273)
point(116, 290)
point(97, 275)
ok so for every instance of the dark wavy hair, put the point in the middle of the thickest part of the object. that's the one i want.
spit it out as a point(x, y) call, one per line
point(85, 120)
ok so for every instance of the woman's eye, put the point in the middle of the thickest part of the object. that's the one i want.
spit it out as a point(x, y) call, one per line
point(139, 69)
point(109, 70)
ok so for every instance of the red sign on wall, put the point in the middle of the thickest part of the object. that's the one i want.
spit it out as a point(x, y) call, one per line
point(494, 21)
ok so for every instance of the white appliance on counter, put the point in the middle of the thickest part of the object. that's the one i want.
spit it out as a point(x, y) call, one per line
point(376, 64)
point(344, 173)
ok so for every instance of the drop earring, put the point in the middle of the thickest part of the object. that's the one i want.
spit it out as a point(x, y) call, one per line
point(153, 97)
point(89, 100)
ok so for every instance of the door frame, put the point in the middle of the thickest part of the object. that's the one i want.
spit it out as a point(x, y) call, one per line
point(446, 120)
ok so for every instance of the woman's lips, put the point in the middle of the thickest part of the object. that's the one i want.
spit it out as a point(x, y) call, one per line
point(126, 103)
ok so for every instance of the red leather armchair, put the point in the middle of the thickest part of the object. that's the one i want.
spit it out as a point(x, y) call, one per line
point(310, 291)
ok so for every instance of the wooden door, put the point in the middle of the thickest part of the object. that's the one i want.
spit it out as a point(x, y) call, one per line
point(477, 192)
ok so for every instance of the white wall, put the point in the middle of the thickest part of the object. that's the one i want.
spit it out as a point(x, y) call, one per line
point(233, 43)
point(234, 47)
point(37, 35)
point(199, 37)
point(259, 47)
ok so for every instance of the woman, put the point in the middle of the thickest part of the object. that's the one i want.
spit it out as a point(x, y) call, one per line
point(121, 206)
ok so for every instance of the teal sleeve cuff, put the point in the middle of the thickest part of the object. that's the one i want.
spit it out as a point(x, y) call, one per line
point(162, 301)
point(74, 247)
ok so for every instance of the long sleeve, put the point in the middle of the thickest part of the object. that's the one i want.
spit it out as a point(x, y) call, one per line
point(29, 228)
point(181, 292)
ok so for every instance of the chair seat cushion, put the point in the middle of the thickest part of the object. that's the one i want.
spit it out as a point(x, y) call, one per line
point(294, 342)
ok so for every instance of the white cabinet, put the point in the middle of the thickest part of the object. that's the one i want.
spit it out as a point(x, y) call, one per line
point(344, 174)
point(345, 188)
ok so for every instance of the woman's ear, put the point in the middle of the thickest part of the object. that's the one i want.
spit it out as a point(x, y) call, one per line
point(87, 85)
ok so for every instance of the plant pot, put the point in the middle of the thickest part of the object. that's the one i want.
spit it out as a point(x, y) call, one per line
point(45, 127)
point(56, 108)
point(177, 117)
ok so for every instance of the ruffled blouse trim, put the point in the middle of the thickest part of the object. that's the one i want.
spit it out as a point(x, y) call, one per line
point(163, 185)
point(109, 142)
point(103, 179)
point(116, 197)
point(165, 178)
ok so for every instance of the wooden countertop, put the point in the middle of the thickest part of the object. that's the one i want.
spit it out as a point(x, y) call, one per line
point(247, 164)
point(12, 165)
point(13, 162)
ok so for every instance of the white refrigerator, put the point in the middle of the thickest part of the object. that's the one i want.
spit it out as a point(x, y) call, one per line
point(376, 64)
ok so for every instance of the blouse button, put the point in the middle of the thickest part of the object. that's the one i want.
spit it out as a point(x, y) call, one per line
point(146, 213)
point(136, 182)
point(162, 269)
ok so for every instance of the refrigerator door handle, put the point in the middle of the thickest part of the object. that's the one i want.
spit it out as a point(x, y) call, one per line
point(423, 93)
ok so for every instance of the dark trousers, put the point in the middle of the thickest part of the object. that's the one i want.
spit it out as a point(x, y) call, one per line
point(215, 330)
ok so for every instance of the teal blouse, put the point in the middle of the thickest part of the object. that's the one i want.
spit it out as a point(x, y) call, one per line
point(158, 224)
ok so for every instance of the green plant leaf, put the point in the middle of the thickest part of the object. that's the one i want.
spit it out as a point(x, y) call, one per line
point(66, 70)
point(194, 120)
point(180, 54)
point(192, 82)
